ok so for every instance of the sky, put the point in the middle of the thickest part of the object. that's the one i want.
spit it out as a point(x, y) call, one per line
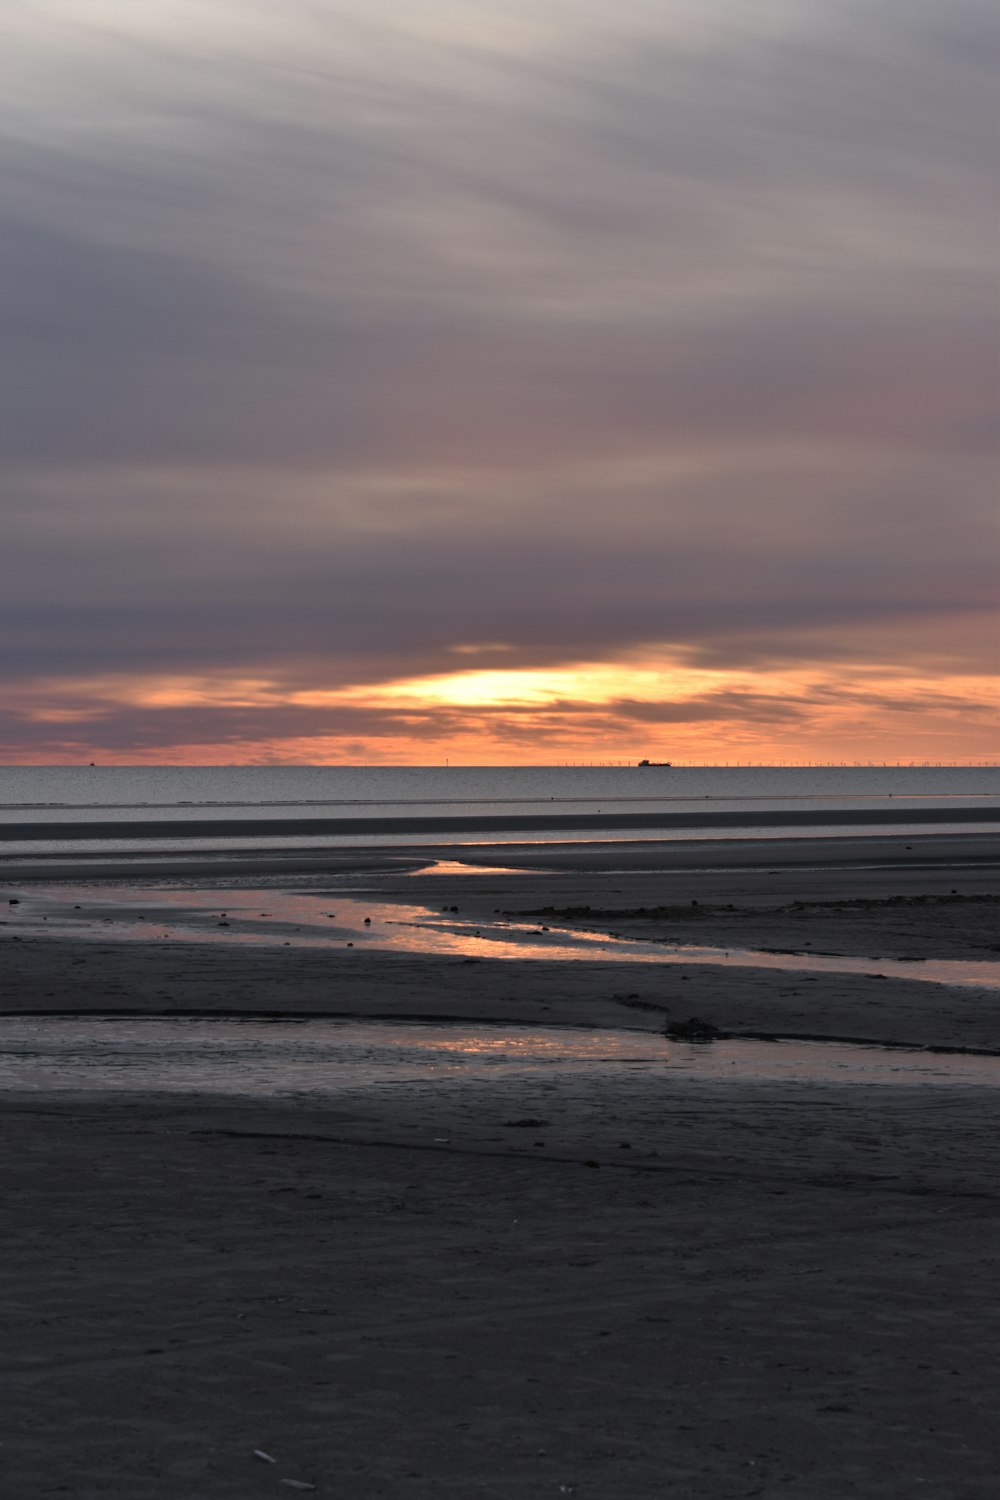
point(566, 380)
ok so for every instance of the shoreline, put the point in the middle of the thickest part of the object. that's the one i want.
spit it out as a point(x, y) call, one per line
point(105, 979)
point(874, 898)
point(661, 857)
point(542, 1285)
point(470, 823)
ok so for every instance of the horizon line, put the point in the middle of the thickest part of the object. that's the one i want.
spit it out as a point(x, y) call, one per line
point(562, 765)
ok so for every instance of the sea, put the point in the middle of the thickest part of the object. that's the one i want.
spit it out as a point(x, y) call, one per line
point(104, 810)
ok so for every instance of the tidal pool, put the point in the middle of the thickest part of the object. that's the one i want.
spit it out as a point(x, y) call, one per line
point(344, 920)
point(326, 1058)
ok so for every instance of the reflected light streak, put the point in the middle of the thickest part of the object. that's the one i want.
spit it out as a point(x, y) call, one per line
point(304, 920)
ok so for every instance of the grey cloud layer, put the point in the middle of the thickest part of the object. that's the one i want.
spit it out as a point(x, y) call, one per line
point(385, 587)
point(559, 724)
point(258, 273)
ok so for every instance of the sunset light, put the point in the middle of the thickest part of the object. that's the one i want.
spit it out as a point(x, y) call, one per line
point(547, 384)
point(499, 771)
point(593, 711)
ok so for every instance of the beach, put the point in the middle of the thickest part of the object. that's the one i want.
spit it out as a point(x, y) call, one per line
point(618, 1283)
point(499, 783)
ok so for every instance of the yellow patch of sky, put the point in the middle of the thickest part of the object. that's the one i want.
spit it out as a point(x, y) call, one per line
point(869, 692)
point(534, 687)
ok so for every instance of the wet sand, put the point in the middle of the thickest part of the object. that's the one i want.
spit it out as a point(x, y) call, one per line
point(915, 812)
point(610, 1287)
point(825, 863)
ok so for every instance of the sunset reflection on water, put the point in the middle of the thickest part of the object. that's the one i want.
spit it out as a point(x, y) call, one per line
point(322, 1058)
point(352, 923)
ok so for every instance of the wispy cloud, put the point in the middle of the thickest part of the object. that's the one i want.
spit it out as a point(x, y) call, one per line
point(348, 342)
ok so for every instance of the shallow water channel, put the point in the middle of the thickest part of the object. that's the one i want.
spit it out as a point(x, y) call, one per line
point(325, 1058)
point(340, 920)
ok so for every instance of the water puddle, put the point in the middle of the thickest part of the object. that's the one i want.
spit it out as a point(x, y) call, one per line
point(324, 1058)
point(334, 919)
point(459, 867)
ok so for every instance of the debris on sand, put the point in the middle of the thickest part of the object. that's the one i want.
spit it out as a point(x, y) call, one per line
point(694, 1030)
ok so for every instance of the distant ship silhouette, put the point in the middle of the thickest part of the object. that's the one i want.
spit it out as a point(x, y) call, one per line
point(652, 763)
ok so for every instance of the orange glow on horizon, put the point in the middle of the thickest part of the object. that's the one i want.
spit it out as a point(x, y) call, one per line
point(648, 705)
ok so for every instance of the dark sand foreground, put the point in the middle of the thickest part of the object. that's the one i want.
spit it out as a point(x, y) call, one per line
point(653, 1289)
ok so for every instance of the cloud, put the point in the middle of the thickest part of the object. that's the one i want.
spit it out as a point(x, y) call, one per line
point(757, 559)
point(806, 710)
point(642, 235)
point(337, 340)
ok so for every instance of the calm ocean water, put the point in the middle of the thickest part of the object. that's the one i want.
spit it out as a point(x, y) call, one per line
point(712, 801)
